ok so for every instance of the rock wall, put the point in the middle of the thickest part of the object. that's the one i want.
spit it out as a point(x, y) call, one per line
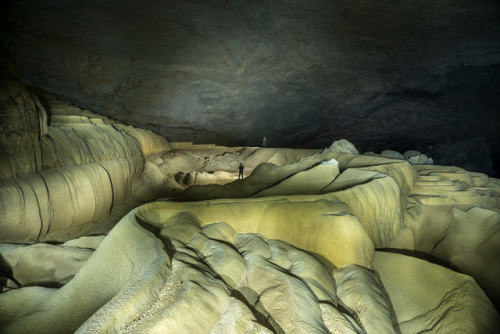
point(384, 74)
point(63, 169)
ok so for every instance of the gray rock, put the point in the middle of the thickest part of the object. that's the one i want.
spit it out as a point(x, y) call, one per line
point(417, 158)
point(392, 155)
point(343, 146)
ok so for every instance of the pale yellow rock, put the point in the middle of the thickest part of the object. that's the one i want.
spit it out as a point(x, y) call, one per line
point(472, 244)
point(177, 161)
point(129, 257)
point(377, 206)
point(310, 181)
point(16, 304)
point(223, 260)
point(308, 268)
point(151, 184)
point(428, 224)
point(349, 178)
point(253, 255)
point(361, 290)
point(219, 231)
point(73, 144)
point(43, 264)
point(318, 226)
point(236, 319)
point(150, 142)
point(286, 156)
point(263, 176)
point(182, 227)
point(452, 227)
point(428, 297)
point(274, 156)
point(188, 290)
point(250, 243)
point(381, 219)
point(402, 172)
point(336, 322)
point(90, 242)
point(60, 204)
point(282, 288)
point(204, 178)
point(73, 171)
point(291, 306)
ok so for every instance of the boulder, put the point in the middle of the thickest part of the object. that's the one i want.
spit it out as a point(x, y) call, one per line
point(417, 158)
point(343, 146)
point(390, 154)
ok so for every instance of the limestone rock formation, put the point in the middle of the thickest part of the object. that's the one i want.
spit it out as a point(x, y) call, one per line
point(89, 242)
point(190, 164)
point(43, 264)
point(286, 263)
point(294, 247)
point(61, 177)
point(343, 146)
point(417, 158)
point(441, 299)
point(443, 204)
point(390, 154)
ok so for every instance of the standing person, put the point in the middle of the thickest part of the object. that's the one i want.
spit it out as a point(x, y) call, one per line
point(264, 142)
point(240, 174)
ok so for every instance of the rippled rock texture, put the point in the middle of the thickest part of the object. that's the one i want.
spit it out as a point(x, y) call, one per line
point(64, 170)
point(384, 74)
point(328, 244)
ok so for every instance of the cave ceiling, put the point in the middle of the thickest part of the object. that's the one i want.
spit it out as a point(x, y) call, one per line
point(302, 73)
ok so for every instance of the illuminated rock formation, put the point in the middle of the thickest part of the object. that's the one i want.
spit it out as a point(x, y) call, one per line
point(429, 297)
point(310, 241)
point(290, 263)
point(59, 177)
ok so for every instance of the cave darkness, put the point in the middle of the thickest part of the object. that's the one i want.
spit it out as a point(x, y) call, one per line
point(399, 75)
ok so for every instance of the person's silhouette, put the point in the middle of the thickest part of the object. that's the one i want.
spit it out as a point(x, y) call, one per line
point(240, 174)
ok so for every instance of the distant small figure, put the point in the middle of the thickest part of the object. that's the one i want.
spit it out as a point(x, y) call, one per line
point(240, 174)
point(264, 142)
